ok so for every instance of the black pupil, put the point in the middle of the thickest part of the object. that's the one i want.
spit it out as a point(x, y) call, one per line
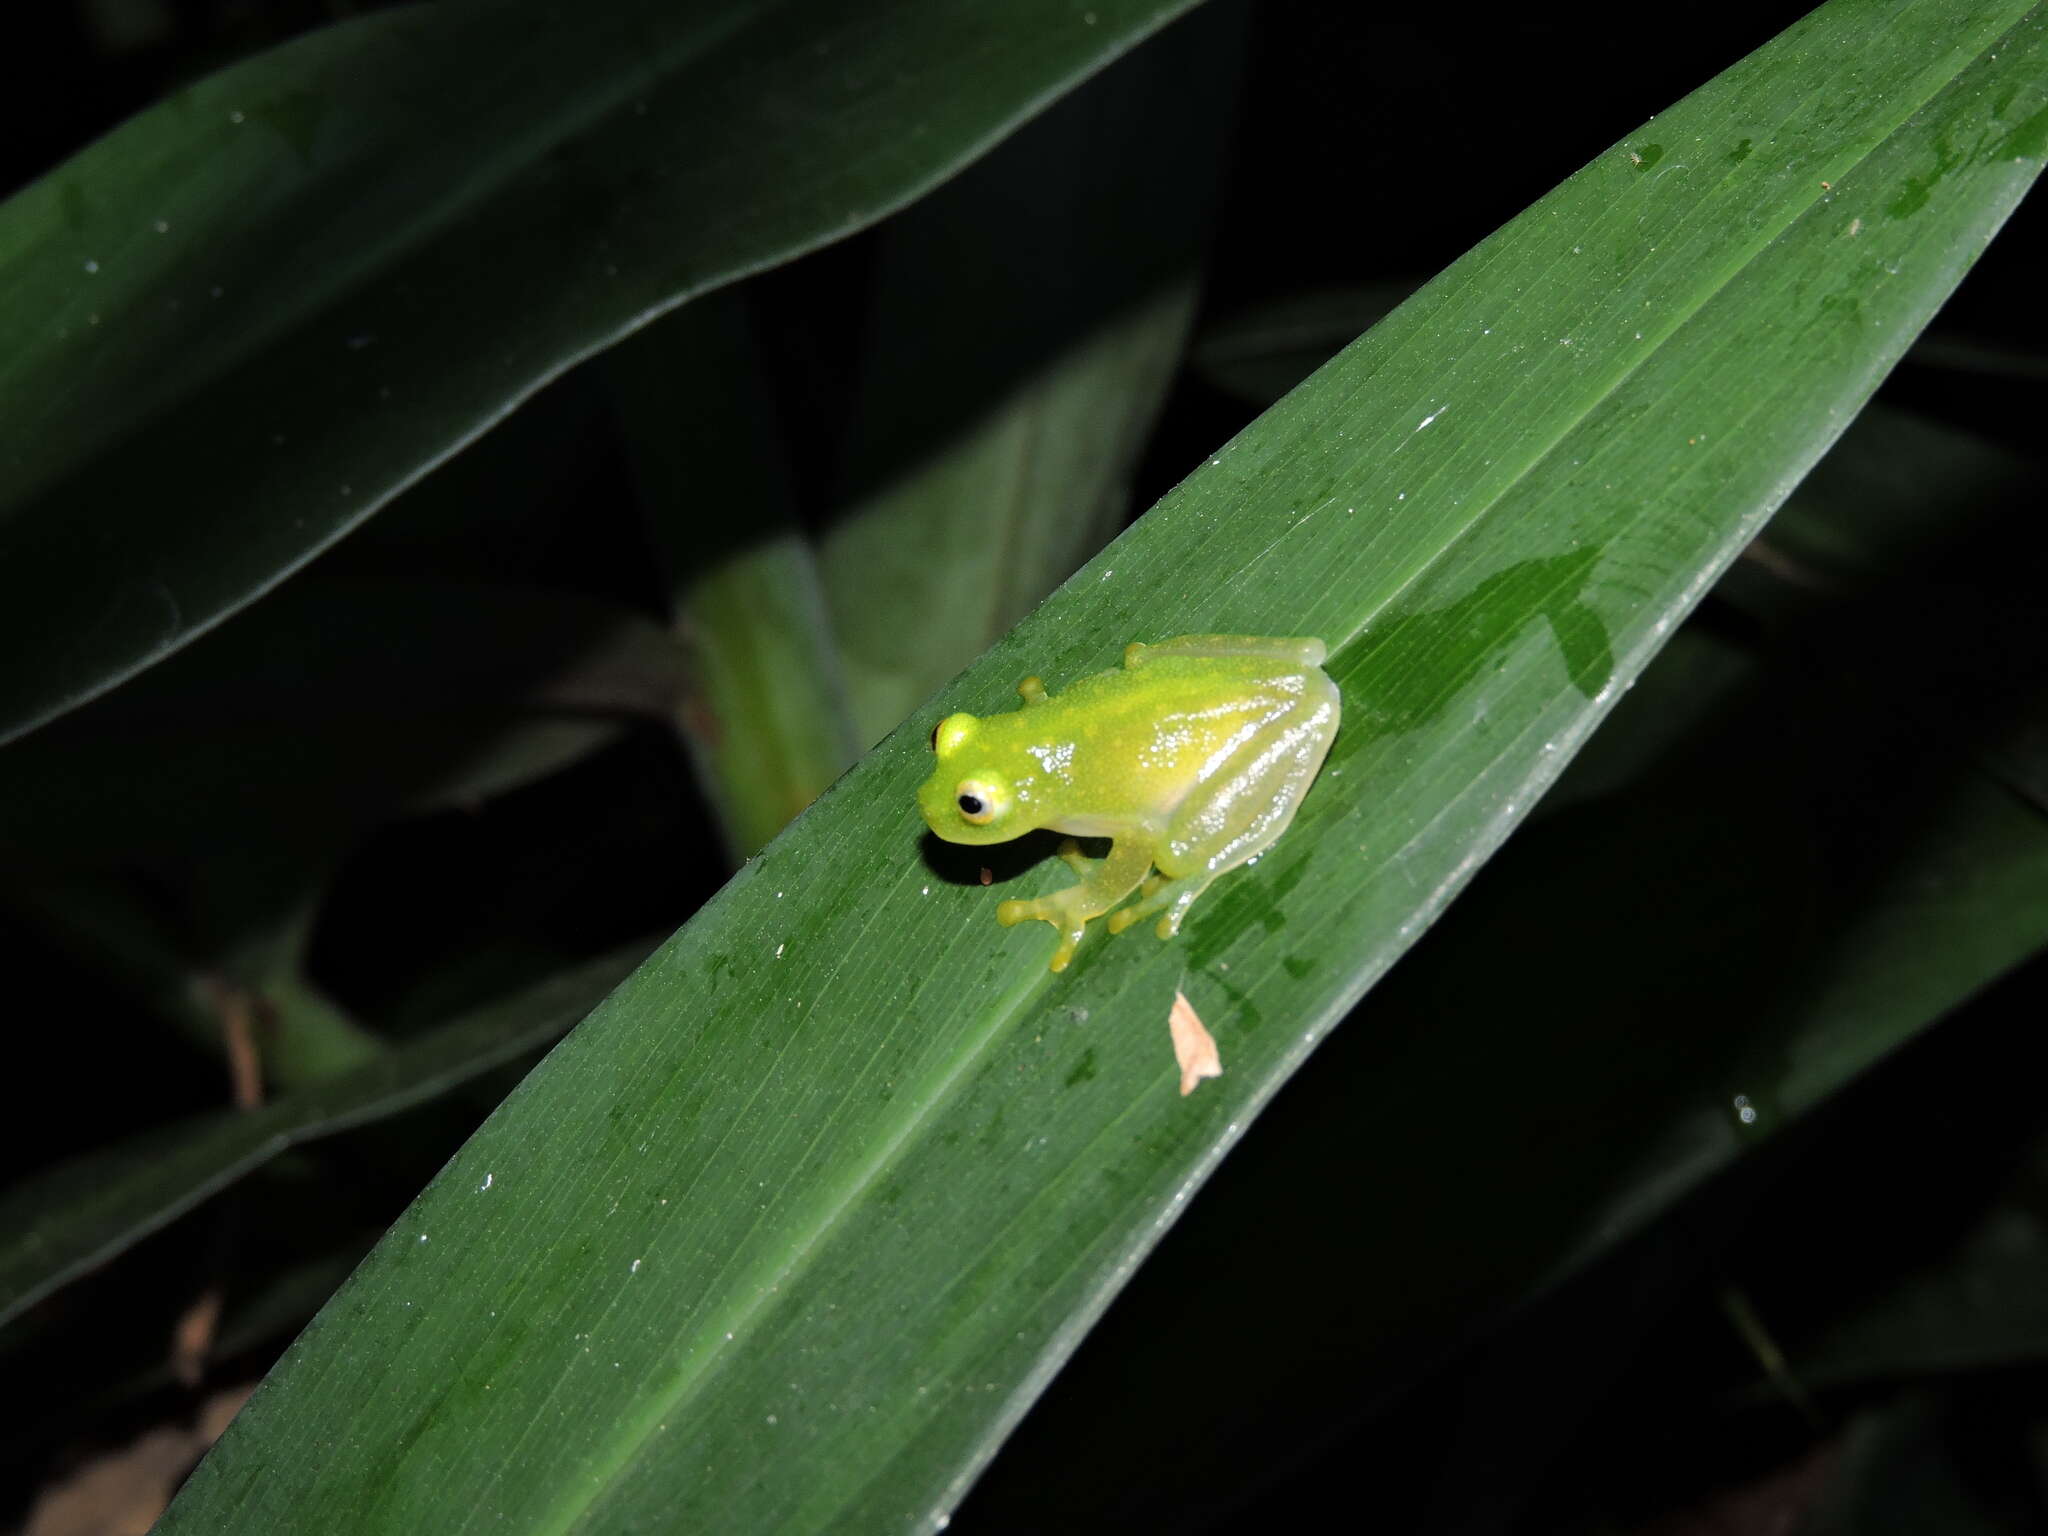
point(970, 805)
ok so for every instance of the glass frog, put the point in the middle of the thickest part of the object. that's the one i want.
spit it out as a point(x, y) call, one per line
point(1191, 760)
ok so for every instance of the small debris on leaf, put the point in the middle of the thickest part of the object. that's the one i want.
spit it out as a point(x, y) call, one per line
point(1193, 1046)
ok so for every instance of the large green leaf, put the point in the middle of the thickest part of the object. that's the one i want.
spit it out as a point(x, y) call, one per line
point(240, 323)
point(1766, 925)
point(792, 1229)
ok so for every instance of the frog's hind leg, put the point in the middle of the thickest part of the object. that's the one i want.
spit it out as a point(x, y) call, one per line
point(1301, 652)
point(1266, 781)
point(1162, 891)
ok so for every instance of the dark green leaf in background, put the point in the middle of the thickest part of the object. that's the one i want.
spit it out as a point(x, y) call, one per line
point(764, 711)
point(1051, 287)
point(79, 1215)
point(242, 322)
point(329, 706)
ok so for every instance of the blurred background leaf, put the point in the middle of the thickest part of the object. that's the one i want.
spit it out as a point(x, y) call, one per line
point(286, 291)
point(765, 713)
point(82, 1214)
point(1051, 286)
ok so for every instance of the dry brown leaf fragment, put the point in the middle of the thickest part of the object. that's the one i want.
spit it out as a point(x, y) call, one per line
point(122, 1492)
point(192, 1336)
point(1193, 1046)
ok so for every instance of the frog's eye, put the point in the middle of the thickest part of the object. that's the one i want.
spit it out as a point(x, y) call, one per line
point(977, 801)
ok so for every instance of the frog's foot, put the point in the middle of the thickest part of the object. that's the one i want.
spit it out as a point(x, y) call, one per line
point(1066, 916)
point(1119, 921)
point(1162, 891)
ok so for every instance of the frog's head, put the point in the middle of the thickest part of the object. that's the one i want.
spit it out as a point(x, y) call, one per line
point(968, 798)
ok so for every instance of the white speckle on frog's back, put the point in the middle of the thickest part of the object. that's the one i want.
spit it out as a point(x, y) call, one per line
point(1170, 738)
point(1219, 759)
point(1056, 758)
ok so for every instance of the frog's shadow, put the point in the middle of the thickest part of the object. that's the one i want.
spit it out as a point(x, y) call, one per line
point(995, 863)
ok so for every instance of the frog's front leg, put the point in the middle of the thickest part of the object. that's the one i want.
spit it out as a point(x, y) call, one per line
point(1106, 882)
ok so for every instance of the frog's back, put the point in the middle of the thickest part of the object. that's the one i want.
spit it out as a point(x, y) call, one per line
point(1185, 683)
point(1134, 743)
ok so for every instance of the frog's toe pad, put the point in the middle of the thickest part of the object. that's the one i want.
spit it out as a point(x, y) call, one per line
point(1011, 913)
point(1119, 921)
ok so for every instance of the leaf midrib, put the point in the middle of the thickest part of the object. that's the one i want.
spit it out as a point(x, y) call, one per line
point(723, 1335)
